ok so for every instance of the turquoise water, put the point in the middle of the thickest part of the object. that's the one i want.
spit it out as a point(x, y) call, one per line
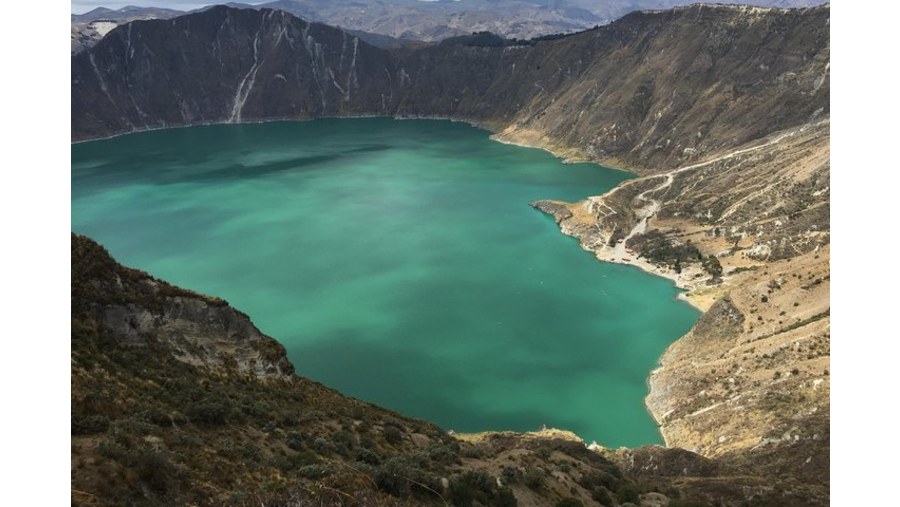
point(398, 261)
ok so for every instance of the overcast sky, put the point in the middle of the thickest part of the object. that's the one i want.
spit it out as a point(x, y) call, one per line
point(82, 6)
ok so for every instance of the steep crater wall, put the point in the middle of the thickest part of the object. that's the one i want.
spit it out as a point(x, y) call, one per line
point(651, 91)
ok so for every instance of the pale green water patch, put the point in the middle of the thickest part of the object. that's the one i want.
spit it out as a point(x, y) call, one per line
point(398, 261)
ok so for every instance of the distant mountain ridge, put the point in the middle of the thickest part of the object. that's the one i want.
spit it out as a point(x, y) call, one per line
point(128, 12)
point(431, 21)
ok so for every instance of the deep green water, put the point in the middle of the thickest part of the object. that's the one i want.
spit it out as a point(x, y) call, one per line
point(398, 261)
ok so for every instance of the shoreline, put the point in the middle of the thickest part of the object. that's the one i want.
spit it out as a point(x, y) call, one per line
point(474, 123)
point(495, 133)
point(681, 281)
point(510, 138)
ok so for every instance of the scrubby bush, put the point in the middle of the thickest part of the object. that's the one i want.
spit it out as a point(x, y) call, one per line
point(509, 475)
point(505, 498)
point(392, 435)
point(478, 486)
point(601, 495)
point(209, 412)
point(534, 478)
point(316, 471)
point(153, 469)
point(89, 424)
point(404, 475)
point(294, 441)
point(712, 266)
point(368, 457)
point(628, 493)
point(442, 454)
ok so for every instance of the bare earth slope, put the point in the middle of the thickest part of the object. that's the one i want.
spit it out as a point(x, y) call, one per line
point(751, 380)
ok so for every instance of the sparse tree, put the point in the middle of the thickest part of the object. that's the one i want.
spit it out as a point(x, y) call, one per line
point(712, 266)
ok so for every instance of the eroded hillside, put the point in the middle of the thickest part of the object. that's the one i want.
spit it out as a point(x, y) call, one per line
point(751, 380)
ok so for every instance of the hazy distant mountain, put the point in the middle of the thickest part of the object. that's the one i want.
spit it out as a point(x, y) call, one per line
point(523, 19)
point(126, 13)
point(90, 27)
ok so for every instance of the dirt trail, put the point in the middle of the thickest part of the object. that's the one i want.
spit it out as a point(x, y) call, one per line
point(646, 212)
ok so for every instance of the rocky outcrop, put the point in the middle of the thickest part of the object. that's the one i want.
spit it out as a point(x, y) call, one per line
point(651, 91)
point(135, 309)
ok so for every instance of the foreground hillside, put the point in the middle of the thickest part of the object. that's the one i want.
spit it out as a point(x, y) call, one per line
point(178, 399)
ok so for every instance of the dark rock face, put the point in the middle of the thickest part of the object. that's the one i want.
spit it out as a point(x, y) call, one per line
point(652, 90)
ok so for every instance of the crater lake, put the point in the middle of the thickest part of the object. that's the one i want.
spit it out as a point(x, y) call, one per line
point(398, 262)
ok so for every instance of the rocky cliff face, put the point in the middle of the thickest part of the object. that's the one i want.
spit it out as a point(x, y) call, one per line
point(651, 91)
point(136, 310)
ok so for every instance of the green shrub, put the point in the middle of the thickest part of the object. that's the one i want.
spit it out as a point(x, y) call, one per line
point(317, 471)
point(89, 424)
point(601, 495)
point(628, 493)
point(442, 454)
point(470, 486)
point(153, 469)
point(392, 435)
point(367, 456)
point(712, 266)
point(343, 442)
point(534, 478)
point(209, 412)
point(505, 498)
point(294, 441)
point(509, 475)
